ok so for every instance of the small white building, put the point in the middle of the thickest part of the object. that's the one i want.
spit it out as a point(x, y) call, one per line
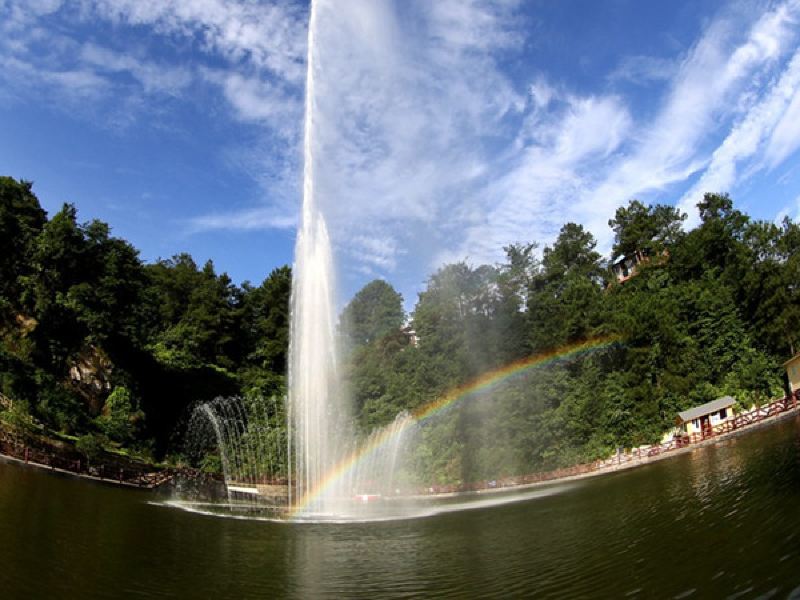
point(626, 268)
point(793, 371)
point(703, 418)
point(411, 335)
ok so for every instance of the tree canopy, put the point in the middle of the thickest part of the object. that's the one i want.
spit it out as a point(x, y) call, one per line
point(377, 309)
point(95, 341)
point(91, 336)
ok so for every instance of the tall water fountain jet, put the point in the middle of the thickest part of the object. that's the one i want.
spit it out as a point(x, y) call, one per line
point(329, 465)
point(317, 416)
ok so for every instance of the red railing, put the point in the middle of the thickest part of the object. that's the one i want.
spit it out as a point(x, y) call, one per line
point(736, 423)
point(73, 462)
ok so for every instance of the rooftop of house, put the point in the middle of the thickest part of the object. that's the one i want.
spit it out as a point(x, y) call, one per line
point(706, 409)
point(791, 360)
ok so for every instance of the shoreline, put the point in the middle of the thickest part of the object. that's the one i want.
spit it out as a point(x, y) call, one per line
point(5, 458)
point(48, 454)
point(631, 461)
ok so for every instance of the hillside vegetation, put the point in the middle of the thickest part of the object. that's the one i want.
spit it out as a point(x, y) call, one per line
point(93, 341)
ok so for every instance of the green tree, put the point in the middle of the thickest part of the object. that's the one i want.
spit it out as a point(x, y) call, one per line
point(717, 244)
point(264, 317)
point(120, 417)
point(21, 220)
point(375, 311)
point(565, 296)
point(768, 290)
point(648, 230)
point(196, 314)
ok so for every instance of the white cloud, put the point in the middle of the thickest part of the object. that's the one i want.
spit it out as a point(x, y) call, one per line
point(427, 149)
point(400, 104)
point(541, 93)
point(253, 53)
point(581, 162)
point(267, 36)
point(705, 92)
point(785, 137)
point(153, 77)
point(792, 211)
point(72, 85)
point(771, 117)
point(403, 130)
point(246, 220)
point(643, 70)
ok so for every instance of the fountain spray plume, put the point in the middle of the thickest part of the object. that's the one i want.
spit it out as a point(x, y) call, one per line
point(249, 435)
point(317, 416)
point(321, 432)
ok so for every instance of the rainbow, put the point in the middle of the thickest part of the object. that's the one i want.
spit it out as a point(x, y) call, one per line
point(482, 383)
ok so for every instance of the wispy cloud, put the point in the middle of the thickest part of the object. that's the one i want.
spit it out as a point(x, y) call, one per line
point(644, 70)
point(431, 152)
point(248, 219)
point(585, 155)
point(792, 211)
point(403, 97)
point(252, 54)
point(153, 77)
point(436, 140)
point(265, 36)
point(769, 120)
point(785, 138)
point(712, 86)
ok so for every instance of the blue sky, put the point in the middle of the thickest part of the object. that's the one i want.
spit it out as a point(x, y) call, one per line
point(443, 130)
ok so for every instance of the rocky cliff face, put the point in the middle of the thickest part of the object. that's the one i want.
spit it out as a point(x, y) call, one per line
point(91, 375)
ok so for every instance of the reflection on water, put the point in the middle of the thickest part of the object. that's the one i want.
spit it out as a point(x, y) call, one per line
point(720, 522)
point(387, 509)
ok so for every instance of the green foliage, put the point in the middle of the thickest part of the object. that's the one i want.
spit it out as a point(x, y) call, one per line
point(21, 220)
point(648, 230)
point(17, 418)
point(714, 311)
point(565, 294)
point(211, 463)
point(120, 417)
point(264, 333)
point(375, 311)
point(197, 314)
point(91, 445)
point(169, 333)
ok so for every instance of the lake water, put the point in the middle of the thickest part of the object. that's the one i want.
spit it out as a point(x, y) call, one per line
point(719, 522)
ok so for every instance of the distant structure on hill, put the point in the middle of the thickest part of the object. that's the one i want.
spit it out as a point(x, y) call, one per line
point(628, 266)
point(411, 335)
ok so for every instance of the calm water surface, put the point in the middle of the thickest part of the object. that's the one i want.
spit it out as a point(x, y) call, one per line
point(721, 522)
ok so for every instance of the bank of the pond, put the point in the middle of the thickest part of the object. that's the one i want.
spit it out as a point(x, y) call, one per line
point(742, 424)
point(39, 451)
point(59, 457)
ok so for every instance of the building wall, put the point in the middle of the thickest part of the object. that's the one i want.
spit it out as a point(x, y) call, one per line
point(793, 370)
point(695, 426)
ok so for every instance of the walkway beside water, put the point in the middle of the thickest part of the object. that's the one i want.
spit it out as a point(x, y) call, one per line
point(740, 424)
point(17, 448)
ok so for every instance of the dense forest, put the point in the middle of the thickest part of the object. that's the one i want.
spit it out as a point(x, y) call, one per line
point(94, 342)
point(712, 311)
